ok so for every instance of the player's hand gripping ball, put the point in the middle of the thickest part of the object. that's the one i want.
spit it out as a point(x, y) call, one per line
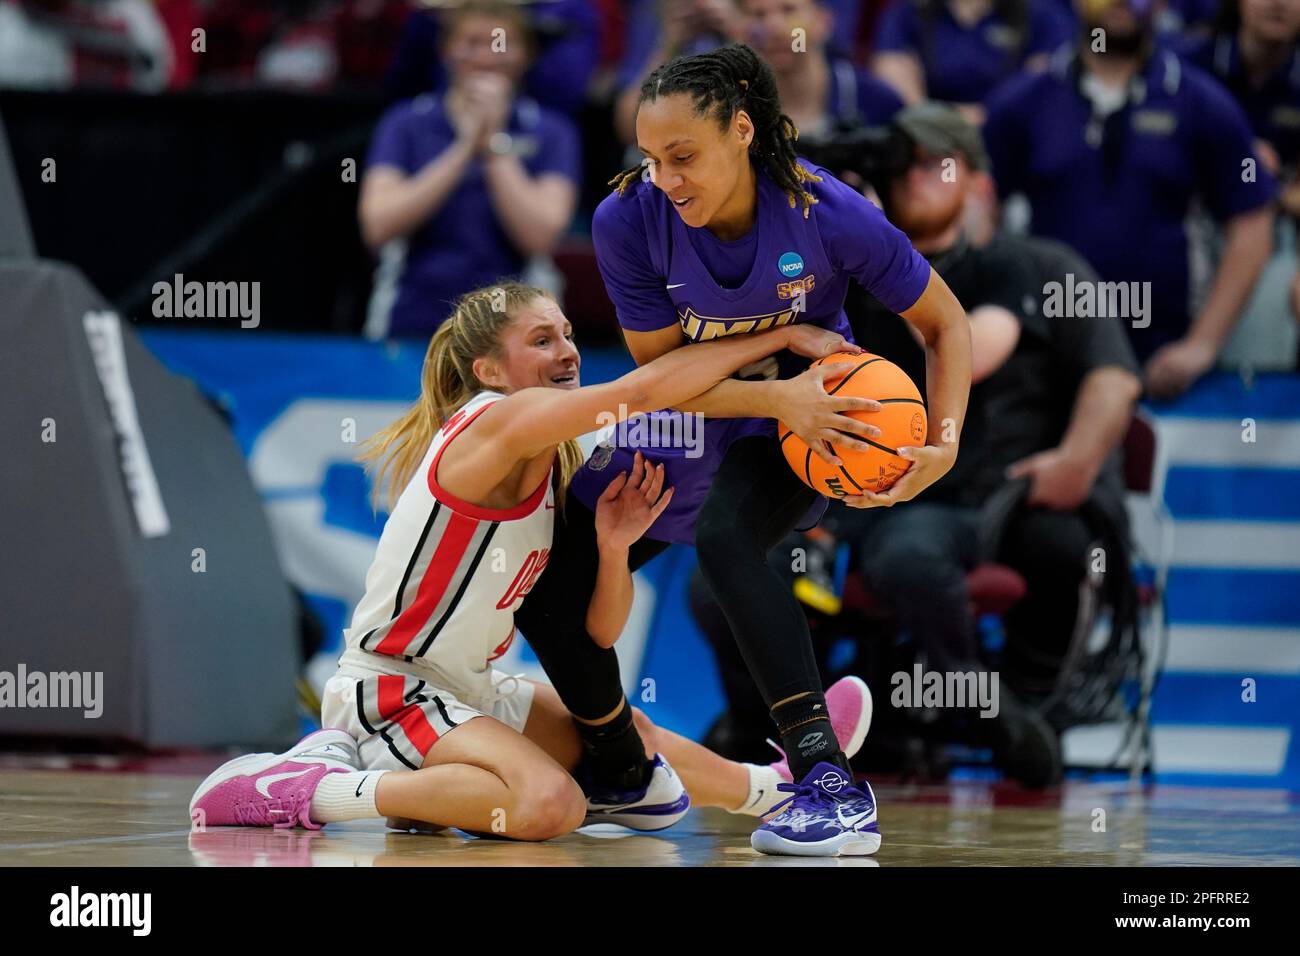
point(901, 420)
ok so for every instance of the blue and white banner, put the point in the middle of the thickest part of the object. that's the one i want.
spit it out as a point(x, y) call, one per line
point(1228, 473)
point(1226, 709)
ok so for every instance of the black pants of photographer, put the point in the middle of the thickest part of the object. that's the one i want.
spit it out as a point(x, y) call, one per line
point(915, 559)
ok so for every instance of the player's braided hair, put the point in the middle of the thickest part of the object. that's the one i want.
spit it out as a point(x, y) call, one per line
point(720, 83)
point(472, 331)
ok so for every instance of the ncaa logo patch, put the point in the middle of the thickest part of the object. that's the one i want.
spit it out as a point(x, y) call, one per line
point(790, 264)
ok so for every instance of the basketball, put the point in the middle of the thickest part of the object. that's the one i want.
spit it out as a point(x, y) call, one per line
point(902, 423)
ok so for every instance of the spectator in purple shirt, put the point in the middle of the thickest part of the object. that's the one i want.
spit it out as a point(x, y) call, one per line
point(477, 180)
point(958, 51)
point(1253, 52)
point(1112, 148)
point(1187, 19)
point(818, 89)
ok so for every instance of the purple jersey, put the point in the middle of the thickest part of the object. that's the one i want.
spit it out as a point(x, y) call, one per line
point(659, 272)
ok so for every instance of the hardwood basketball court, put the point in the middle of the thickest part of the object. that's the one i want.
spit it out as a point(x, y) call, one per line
point(122, 812)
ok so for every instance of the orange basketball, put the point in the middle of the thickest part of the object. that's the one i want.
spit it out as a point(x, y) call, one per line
point(901, 421)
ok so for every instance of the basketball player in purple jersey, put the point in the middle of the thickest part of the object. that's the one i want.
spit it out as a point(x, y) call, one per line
point(725, 231)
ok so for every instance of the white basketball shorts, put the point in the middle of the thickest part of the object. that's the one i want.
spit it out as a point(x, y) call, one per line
point(397, 717)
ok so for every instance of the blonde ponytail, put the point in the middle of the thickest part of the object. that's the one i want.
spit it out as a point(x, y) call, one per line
point(447, 382)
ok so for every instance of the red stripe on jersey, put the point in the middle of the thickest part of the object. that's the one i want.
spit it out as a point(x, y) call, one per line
point(392, 706)
point(521, 510)
point(390, 696)
point(418, 729)
point(433, 585)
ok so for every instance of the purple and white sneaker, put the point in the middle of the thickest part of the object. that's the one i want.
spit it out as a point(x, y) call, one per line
point(661, 804)
point(826, 815)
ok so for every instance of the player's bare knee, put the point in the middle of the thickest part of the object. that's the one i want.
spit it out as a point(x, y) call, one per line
point(576, 802)
point(549, 808)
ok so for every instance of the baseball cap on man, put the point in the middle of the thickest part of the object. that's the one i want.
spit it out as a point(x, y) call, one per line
point(941, 130)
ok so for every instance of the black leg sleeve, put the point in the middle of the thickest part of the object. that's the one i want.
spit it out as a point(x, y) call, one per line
point(553, 615)
point(755, 501)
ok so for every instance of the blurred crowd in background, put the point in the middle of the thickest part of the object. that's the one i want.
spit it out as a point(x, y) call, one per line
point(1130, 148)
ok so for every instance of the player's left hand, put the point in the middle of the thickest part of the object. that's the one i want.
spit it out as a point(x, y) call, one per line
point(1174, 367)
point(630, 504)
point(1056, 480)
point(929, 464)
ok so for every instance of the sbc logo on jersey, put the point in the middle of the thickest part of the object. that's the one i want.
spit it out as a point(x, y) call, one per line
point(788, 290)
point(531, 570)
point(790, 264)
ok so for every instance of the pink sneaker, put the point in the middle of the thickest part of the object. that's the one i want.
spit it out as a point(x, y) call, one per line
point(848, 701)
point(272, 790)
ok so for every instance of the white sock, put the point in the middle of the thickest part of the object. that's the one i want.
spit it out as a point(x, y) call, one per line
point(763, 794)
point(346, 796)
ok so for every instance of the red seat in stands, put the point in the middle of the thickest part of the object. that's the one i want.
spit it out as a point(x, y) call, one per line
point(994, 589)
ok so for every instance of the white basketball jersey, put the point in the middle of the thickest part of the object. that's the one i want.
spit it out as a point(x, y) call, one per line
point(448, 574)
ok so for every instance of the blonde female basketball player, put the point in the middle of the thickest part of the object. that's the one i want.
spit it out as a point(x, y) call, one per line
point(422, 726)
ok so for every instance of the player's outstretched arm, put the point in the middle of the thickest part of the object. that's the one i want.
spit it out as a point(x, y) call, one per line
point(529, 421)
point(533, 421)
point(731, 398)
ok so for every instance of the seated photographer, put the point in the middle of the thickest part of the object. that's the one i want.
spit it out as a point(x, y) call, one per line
point(1053, 414)
point(1025, 412)
point(1059, 410)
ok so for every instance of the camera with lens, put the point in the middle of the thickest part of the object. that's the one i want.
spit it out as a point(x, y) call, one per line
point(876, 154)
